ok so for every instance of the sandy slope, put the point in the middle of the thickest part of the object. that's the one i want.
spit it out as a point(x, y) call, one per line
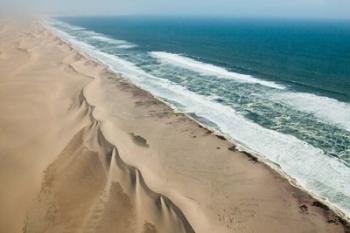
point(35, 93)
point(82, 150)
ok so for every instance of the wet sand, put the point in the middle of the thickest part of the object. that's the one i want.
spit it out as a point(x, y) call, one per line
point(84, 150)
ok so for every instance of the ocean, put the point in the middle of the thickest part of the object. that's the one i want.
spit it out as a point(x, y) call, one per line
point(278, 88)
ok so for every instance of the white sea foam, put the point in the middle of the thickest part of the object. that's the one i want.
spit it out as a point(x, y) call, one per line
point(108, 40)
point(120, 44)
point(330, 110)
point(296, 158)
point(127, 46)
point(66, 25)
point(324, 108)
point(209, 69)
point(75, 28)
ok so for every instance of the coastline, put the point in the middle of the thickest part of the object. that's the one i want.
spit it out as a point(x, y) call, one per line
point(287, 152)
point(133, 130)
point(239, 146)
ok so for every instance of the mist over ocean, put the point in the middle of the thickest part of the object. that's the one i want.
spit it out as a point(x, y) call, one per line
point(279, 88)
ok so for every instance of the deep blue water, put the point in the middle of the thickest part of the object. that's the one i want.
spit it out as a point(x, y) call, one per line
point(308, 55)
point(280, 88)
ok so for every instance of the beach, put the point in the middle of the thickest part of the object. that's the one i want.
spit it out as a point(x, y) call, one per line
point(84, 150)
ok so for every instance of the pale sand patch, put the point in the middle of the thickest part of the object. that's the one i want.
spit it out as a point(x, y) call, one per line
point(34, 123)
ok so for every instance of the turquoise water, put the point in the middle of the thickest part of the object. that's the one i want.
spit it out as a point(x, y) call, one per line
point(279, 88)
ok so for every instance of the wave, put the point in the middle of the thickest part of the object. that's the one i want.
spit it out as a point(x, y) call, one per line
point(76, 28)
point(289, 154)
point(209, 69)
point(120, 44)
point(328, 110)
point(66, 25)
point(324, 108)
point(108, 40)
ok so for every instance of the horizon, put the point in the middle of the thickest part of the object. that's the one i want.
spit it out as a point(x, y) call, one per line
point(300, 9)
point(203, 17)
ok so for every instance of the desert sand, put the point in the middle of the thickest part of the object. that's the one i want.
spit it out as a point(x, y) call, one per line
point(84, 150)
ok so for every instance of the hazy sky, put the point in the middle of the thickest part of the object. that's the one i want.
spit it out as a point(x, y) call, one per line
point(246, 8)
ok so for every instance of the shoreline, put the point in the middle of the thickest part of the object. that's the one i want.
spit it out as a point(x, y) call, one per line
point(132, 163)
point(238, 146)
point(270, 165)
point(276, 168)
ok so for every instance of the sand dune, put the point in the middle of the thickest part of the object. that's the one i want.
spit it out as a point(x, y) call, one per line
point(35, 125)
point(82, 150)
